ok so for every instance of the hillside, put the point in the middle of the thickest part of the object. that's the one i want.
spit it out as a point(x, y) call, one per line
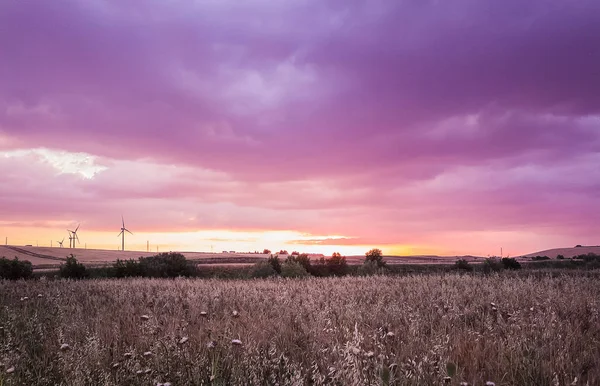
point(566, 252)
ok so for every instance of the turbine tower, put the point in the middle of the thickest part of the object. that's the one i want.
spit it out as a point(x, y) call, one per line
point(61, 242)
point(73, 236)
point(122, 234)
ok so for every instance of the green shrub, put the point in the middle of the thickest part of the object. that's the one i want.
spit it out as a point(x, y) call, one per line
point(371, 268)
point(510, 263)
point(72, 269)
point(15, 269)
point(263, 269)
point(275, 263)
point(127, 268)
point(293, 269)
point(166, 264)
point(337, 265)
point(492, 264)
point(463, 264)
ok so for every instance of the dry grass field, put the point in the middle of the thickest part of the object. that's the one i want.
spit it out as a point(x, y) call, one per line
point(511, 330)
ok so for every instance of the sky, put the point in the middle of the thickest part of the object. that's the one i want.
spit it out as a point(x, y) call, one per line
point(417, 127)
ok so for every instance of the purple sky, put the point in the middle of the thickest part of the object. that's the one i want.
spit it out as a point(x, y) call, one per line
point(414, 126)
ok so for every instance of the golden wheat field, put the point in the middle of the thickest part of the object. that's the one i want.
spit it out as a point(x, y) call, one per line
point(410, 330)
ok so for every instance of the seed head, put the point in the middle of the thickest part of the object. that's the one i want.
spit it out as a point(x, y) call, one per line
point(115, 365)
point(64, 347)
point(211, 344)
point(236, 342)
point(183, 340)
point(370, 354)
point(235, 314)
point(390, 334)
point(144, 317)
point(128, 355)
point(40, 295)
point(203, 313)
point(147, 354)
point(490, 383)
point(10, 370)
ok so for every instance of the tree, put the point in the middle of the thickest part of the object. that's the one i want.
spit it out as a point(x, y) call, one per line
point(376, 256)
point(337, 265)
point(275, 263)
point(266, 251)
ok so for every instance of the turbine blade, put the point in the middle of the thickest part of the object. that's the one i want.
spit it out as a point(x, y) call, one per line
point(129, 231)
point(120, 234)
point(77, 227)
point(123, 221)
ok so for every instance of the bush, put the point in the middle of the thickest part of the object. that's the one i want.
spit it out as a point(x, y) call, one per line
point(560, 257)
point(376, 256)
point(540, 258)
point(266, 251)
point(72, 269)
point(301, 259)
point(463, 264)
point(293, 269)
point(492, 264)
point(127, 268)
point(371, 268)
point(15, 269)
point(166, 264)
point(337, 265)
point(275, 263)
point(263, 269)
point(510, 263)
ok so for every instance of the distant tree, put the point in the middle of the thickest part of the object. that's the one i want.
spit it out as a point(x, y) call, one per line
point(337, 265)
point(375, 255)
point(463, 264)
point(15, 269)
point(266, 251)
point(262, 270)
point(510, 263)
point(578, 246)
point(275, 263)
point(293, 269)
point(295, 253)
point(283, 252)
point(560, 257)
point(72, 269)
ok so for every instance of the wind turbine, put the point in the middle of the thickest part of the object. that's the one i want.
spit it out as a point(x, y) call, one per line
point(122, 234)
point(61, 242)
point(73, 236)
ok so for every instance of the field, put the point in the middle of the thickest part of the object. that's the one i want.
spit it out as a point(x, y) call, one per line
point(50, 258)
point(510, 329)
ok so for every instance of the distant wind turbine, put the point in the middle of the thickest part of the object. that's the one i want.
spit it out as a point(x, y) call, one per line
point(61, 242)
point(122, 234)
point(73, 236)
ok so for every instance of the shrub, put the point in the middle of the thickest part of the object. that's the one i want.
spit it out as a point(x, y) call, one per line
point(166, 264)
point(337, 265)
point(301, 259)
point(371, 268)
point(266, 251)
point(376, 256)
point(15, 269)
point(510, 263)
point(560, 257)
point(127, 268)
point(492, 264)
point(540, 258)
point(263, 269)
point(72, 269)
point(463, 264)
point(275, 263)
point(293, 269)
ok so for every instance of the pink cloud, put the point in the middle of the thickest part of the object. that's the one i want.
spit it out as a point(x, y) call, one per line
point(384, 123)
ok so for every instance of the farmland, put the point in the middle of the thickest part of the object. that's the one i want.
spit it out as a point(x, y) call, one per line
point(509, 329)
